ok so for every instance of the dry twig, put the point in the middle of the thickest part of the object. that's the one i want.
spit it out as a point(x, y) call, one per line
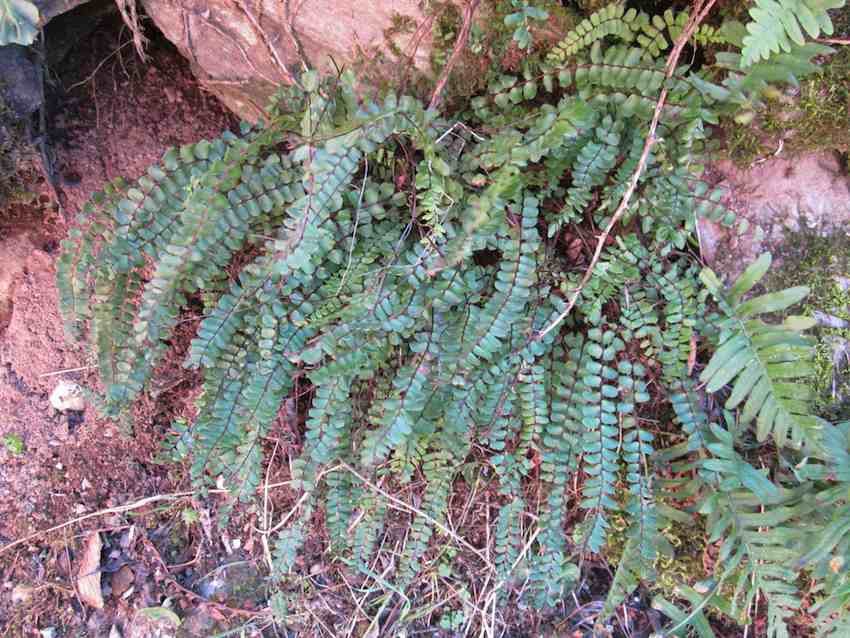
point(838, 41)
point(460, 43)
point(119, 509)
point(701, 9)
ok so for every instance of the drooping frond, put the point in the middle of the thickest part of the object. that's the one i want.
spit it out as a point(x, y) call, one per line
point(404, 279)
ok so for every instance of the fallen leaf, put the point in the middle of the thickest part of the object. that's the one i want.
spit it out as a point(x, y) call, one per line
point(88, 574)
point(22, 593)
point(160, 615)
point(122, 580)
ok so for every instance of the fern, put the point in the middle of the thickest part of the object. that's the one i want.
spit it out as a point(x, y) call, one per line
point(779, 24)
point(766, 362)
point(410, 313)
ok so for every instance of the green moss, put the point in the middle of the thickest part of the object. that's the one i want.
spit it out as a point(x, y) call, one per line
point(821, 262)
point(15, 150)
point(681, 562)
point(14, 444)
point(740, 144)
point(685, 564)
point(815, 119)
point(819, 118)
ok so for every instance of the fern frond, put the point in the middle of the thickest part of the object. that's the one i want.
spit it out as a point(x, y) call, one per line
point(411, 308)
point(438, 470)
point(754, 518)
point(779, 23)
point(766, 362)
point(601, 442)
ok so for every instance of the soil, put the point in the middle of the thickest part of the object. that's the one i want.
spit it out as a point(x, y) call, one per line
point(107, 117)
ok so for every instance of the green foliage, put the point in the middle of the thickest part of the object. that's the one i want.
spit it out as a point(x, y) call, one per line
point(652, 33)
point(521, 19)
point(19, 22)
point(418, 312)
point(14, 444)
point(778, 25)
point(769, 365)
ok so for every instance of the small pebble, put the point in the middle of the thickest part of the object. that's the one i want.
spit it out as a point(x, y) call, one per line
point(67, 396)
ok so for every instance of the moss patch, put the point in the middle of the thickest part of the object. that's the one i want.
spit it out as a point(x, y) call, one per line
point(815, 119)
point(14, 152)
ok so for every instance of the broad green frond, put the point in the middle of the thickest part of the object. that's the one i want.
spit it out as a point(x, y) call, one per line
point(777, 25)
point(766, 364)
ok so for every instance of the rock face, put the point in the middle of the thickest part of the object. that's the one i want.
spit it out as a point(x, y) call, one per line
point(777, 198)
point(241, 50)
point(20, 90)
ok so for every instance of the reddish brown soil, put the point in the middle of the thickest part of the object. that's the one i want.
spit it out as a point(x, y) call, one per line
point(115, 120)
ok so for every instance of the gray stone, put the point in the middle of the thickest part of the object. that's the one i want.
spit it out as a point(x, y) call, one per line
point(153, 622)
point(776, 198)
point(830, 321)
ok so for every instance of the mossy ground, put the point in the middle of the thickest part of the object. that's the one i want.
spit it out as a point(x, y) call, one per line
point(815, 117)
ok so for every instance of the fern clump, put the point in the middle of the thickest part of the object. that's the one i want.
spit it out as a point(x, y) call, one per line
point(411, 268)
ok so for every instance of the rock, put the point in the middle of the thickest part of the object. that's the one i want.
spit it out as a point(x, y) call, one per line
point(776, 198)
point(830, 321)
point(242, 51)
point(20, 87)
point(67, 396)
point(239, 584)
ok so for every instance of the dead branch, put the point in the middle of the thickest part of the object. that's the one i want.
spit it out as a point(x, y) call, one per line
point(702, 9)
point(460, 43)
